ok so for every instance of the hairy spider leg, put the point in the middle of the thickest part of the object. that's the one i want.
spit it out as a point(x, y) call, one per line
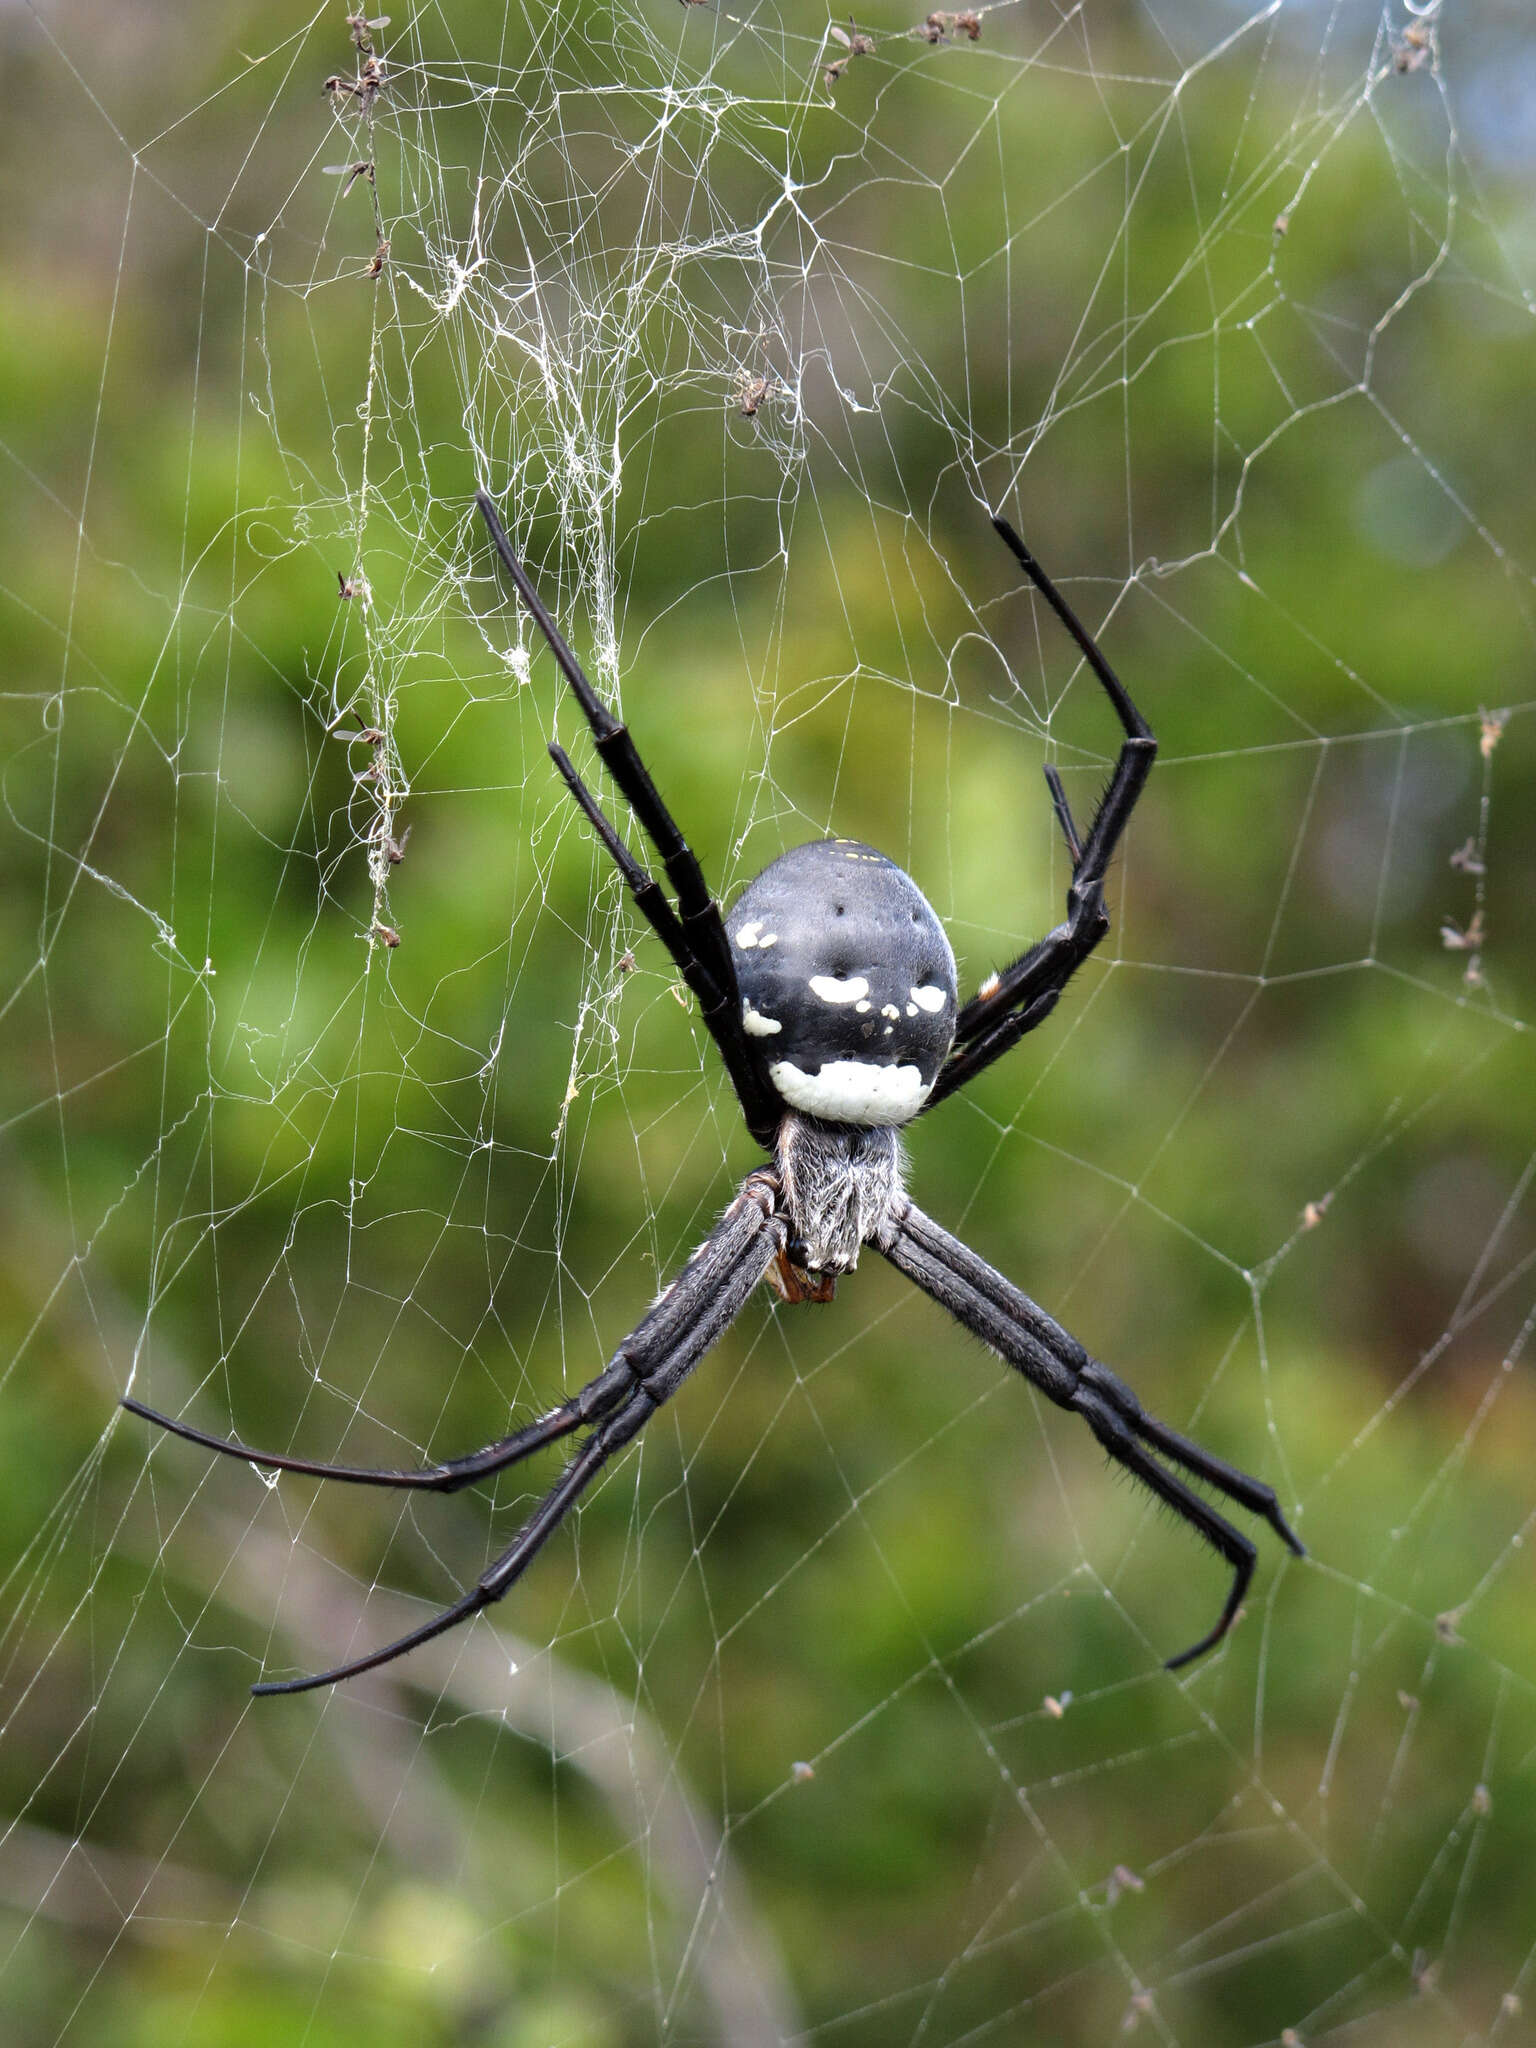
point(1050, 1358)
point(1053, 783)
point(698, 914)
point(1024, 994)
point(649, 1366)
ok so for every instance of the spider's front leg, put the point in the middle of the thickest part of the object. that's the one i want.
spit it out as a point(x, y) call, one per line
point(690, 1315)
point(1050, 1358)
point(1023, 995)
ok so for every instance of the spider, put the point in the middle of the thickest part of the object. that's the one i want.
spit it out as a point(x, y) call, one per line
point(830, 991)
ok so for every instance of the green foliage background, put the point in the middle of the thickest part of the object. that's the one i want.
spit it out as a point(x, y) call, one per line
point(370, 1200)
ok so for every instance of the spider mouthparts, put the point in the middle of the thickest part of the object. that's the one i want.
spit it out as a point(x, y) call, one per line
point(794, 1283)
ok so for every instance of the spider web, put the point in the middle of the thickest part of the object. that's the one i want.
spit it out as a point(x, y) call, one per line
point(349, 1107)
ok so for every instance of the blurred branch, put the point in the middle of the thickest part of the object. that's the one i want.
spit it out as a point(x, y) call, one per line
point(584, 1724)
point(108, 1892)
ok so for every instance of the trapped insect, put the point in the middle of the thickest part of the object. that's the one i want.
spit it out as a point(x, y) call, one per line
point(753, 390)
point(361, 28)
point(830, 991)
point(854, 41)
point(351, 172)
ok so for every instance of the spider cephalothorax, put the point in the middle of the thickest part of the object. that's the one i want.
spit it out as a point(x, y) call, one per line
point(830, 993)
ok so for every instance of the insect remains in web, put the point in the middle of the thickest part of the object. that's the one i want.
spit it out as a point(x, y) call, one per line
point(830, 993)
point(1415, 47)
point(940, 27)
point(753, 390)
point(854, 42)
point(370, 81)
point(351, 172)
point(392, 849)
point(362, 30)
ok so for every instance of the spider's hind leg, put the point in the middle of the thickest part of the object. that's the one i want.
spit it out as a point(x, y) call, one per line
point(1063, 814)
point(693, 932)
point(1023, 994)
point(720, 1008)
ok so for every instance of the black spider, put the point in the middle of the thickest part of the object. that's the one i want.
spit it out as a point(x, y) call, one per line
point(830, 992)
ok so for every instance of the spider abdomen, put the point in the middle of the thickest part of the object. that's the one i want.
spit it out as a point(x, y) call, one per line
point(847, 983)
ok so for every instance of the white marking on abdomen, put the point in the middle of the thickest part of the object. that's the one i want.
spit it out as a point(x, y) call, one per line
point(831, 990)
point(759, 1026)
point(852, 1091)
point(930, 998)
point(749, 934)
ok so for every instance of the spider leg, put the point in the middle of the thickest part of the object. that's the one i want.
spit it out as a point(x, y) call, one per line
point(694, 934)
point(512, 1563)
point(1116, 1436)
point(614, 744)
point(1050, 1358)
point(1024, 994)
point(647, 1369)
point(720, 1009)
point(590, 1405)
point(1063, 814)
point(700, 913)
